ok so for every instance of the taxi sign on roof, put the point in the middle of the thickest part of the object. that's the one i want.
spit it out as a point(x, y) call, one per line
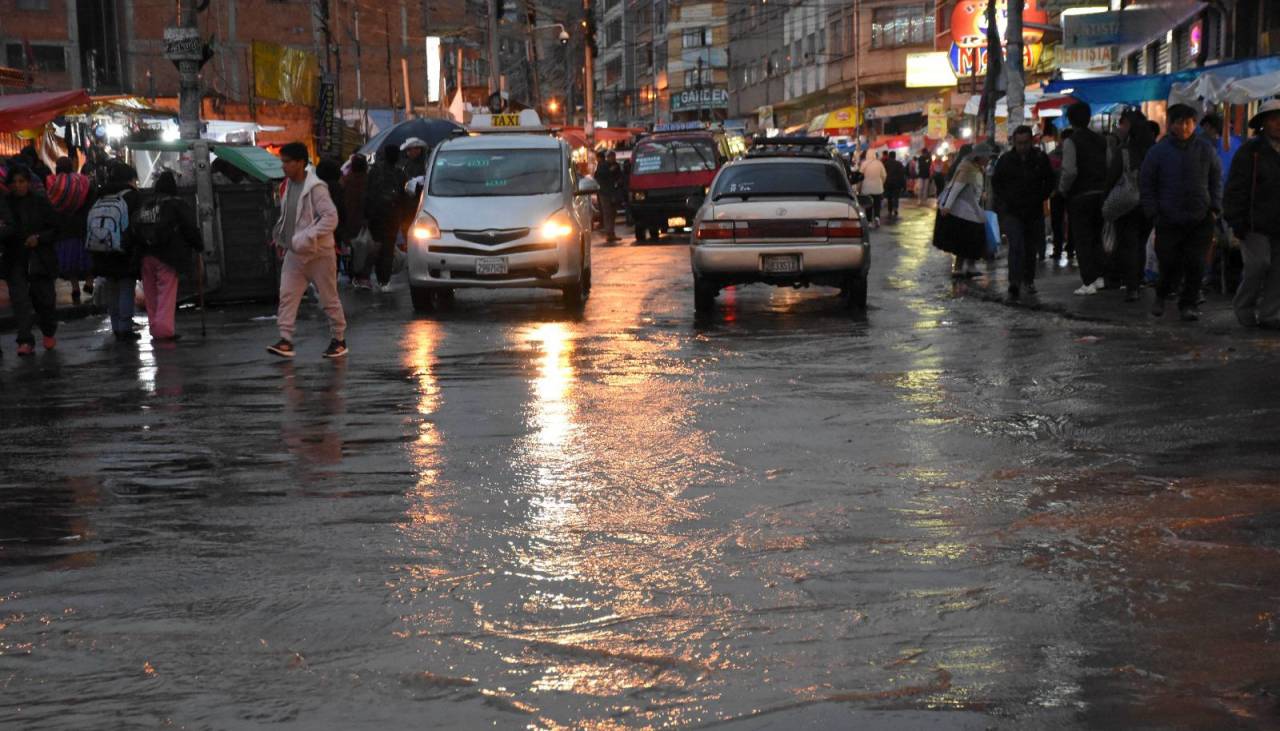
point(523, 121)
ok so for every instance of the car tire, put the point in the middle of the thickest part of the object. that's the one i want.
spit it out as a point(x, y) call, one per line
point(855, 291)
point(704, 294)
point(423, 299)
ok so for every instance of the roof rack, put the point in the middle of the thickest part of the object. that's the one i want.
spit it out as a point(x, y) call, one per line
point(816, 147)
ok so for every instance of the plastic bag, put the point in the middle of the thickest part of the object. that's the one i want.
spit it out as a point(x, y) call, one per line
point(993, 233)
point(1108, 236)
point(1152, 272)
point(361, 245)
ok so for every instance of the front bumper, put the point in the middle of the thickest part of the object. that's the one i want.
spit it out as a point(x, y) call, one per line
point(451, 264)
point(743, 263)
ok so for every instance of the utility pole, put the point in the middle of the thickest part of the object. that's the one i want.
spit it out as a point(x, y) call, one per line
point(356, 37)
point(386, 29)
point(857, 73)
point(184, 48)
point(589, 83)
point(531, 47)
point(495, 61)
point(1016, 86)
point(990, 88)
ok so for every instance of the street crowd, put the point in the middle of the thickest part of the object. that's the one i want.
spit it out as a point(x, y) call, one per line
point(1182, 207)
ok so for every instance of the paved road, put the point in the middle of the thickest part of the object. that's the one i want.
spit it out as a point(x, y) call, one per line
point(947, 514)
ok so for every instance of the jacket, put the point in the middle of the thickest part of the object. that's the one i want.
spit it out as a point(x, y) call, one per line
point(1084, 164)
point(32, 216)
point(384, 200)
point(175, 234)
point(963, 195)
point(1020, 184)
point(1252, 200)
point(895, 175)
point(1181, 182)
point(873, 177)
point(124, 265)
point(317, 219)
point(353, 188)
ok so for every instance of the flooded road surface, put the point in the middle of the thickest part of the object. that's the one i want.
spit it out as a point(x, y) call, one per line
point(947, 514)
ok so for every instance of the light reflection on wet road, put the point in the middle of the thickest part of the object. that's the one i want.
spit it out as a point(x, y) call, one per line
point(946, 514)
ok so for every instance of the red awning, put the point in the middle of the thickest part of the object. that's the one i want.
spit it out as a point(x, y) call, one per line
point(602, 134)
point(27, 111)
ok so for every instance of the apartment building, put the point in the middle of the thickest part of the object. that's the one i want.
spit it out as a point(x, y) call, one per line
point(698, 61)
point(757, 63)
point(631, 69)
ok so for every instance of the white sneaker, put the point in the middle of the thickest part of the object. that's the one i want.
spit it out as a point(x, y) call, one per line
point(1099, 283)
point(1086, 289)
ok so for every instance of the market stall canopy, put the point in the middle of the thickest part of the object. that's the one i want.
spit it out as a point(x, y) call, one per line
point(26, 111)
point(1213, 88)
point(431, 131)
point(255, 161)
point(843, 121)
point(1135, 89)
point(1030, 98)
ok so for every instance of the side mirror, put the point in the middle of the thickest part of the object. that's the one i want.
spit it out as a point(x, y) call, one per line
point(587, 186)
point(694, 202)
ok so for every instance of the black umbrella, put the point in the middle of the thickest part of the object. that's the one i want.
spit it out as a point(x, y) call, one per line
point(430, 131)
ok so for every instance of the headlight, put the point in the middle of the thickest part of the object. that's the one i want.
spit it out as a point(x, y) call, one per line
point(558, 227)
point(638, 195)
point(425, 227)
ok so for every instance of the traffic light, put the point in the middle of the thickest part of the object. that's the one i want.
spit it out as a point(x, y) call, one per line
point(589, 26)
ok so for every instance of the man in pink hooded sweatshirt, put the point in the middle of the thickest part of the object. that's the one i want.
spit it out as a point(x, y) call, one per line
point(304, 234)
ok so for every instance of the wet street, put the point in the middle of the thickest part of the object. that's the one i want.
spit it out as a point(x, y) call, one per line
point(945, 514)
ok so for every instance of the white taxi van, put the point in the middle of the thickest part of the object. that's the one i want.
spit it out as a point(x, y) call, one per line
point(503, 208)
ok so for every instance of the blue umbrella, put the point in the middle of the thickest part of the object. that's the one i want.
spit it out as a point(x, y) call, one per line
point(430, 131)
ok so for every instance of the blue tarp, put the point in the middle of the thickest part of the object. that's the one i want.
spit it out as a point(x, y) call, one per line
point(1137, 89)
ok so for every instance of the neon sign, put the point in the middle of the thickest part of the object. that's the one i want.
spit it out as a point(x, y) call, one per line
point(969, 34)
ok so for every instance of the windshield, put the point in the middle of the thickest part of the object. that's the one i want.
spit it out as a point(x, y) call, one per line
point(674, 156)
point(796, 178)
point(496, 173)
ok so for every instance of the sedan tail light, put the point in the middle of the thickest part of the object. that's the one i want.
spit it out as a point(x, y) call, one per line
point(714, 230)
point(844, 228)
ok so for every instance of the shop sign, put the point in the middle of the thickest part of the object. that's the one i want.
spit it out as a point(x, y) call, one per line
point(694, 99)
point(1195, 40)
point(968, 52)
point(764, 117)
point(1091, 30)
point(1086, 58)
point(937, 120)
point(929, 70)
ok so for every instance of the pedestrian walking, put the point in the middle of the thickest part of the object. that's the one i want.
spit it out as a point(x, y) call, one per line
point(413, 158)
point(384, 212)
point(608, 176)
point(168, 234)
point(70, 195)
point(895, 183)
point(354, 184)
point(1083, 181)
point(113, 247)
point(924, 167)
point(1181, 183)
point(304, 235)
point(1022, 181)
point(31, 261)
point(1132, 228)
point(960, 228)
point(1057, 204)
point(1251, 206)
point(872, 186)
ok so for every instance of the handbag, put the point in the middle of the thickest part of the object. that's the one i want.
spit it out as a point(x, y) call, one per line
point(1125, 196)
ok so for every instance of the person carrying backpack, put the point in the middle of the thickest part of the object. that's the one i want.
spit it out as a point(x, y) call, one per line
point(166, 228)
point(112, 246)
point(384, 210)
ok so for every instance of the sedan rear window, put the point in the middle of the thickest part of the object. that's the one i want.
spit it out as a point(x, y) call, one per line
point(496, 172)
point(789, 179)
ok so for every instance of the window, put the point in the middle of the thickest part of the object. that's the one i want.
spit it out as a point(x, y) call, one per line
point(837, 37)
point(812, 52)
point(613, 32)
point(697, 38)
point(674, 156)
point(613, 71)
point(43, 58)
point(496, 172)
point(797, 55)
point(792, 179)
point(901, 26)
point(33, 5)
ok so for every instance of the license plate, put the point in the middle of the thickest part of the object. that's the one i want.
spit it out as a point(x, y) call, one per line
point(677, 222)
point(781, 264)
point(491, 265)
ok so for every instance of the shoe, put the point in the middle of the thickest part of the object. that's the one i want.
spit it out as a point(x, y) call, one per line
point(362, 283)
point(336, 349)
point(1086, 290)
point(284, 349)
point(127, 336)
point(1188, 314)
point(1031, 289)
point(26, 349)
point(1099, 284)
point(49, 342)
point(1157, 308)
point(1131, 294)
point(1014, 294)
point(957, 269)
